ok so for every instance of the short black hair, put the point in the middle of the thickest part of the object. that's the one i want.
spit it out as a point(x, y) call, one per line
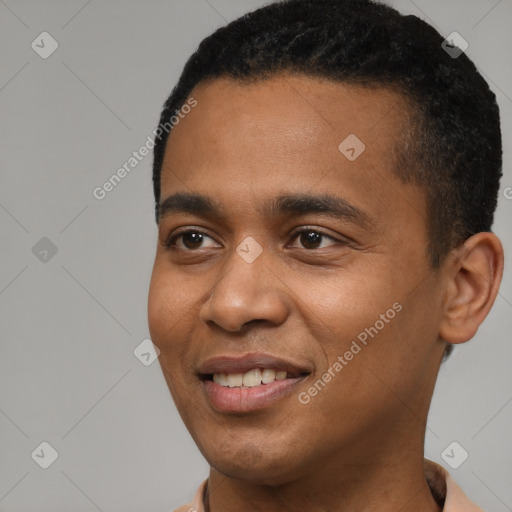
point(451, 145)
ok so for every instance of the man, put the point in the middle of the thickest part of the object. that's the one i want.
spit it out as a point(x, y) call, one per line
point(324, 215)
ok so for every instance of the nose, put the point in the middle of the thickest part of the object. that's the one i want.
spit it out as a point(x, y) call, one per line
point(246, 292)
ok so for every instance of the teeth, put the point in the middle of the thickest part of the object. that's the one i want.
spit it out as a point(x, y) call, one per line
point(250, 379)
point(220, 378)
point(235, 380)
point(268, 376)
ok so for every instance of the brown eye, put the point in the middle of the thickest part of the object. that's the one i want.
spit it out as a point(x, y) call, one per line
point(190, 240)
point(312, 238)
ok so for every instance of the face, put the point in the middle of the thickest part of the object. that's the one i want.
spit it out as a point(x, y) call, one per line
point(286, 257)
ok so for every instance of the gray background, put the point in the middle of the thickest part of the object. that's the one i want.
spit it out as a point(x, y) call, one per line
point(69, 325)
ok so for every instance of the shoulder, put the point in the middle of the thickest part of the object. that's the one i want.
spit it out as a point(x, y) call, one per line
point(446, 491)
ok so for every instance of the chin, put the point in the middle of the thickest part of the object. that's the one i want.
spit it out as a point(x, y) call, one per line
point(255, 463)
point(265, 474)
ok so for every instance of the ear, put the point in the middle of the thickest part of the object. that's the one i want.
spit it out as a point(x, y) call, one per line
point(474, 275)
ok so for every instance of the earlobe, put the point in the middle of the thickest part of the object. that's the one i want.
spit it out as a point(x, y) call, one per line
point(474, 278)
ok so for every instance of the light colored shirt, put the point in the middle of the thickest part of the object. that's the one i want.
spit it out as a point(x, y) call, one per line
point(443, 488)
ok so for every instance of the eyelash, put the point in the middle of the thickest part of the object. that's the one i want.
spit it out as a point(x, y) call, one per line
point(170, 243)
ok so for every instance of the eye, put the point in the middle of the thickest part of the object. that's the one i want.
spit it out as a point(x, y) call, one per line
point(310, 238)
point(190, 239)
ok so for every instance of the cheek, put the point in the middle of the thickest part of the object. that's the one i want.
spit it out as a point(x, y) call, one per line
point(395, 357)
point(170, 302)
point(345, 306)
point(364, 318)
point(157, 311)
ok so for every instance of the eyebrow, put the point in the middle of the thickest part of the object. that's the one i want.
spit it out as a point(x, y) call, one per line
point(290, 204)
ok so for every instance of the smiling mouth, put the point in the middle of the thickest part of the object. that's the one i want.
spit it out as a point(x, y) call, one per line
point(247, 392)
point(250, 382)
point(252, 378)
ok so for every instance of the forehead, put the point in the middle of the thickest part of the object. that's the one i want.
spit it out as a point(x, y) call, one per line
point(311, 104)
point(289, 133)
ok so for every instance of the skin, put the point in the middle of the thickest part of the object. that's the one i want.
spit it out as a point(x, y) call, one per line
point(358, 444)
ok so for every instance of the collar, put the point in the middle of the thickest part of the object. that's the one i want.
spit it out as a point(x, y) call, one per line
point(444, 489)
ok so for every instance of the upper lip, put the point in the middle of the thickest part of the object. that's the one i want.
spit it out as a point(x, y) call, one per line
point(244, 363)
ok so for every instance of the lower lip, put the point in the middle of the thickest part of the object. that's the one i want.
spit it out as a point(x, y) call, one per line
point(225, 399)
